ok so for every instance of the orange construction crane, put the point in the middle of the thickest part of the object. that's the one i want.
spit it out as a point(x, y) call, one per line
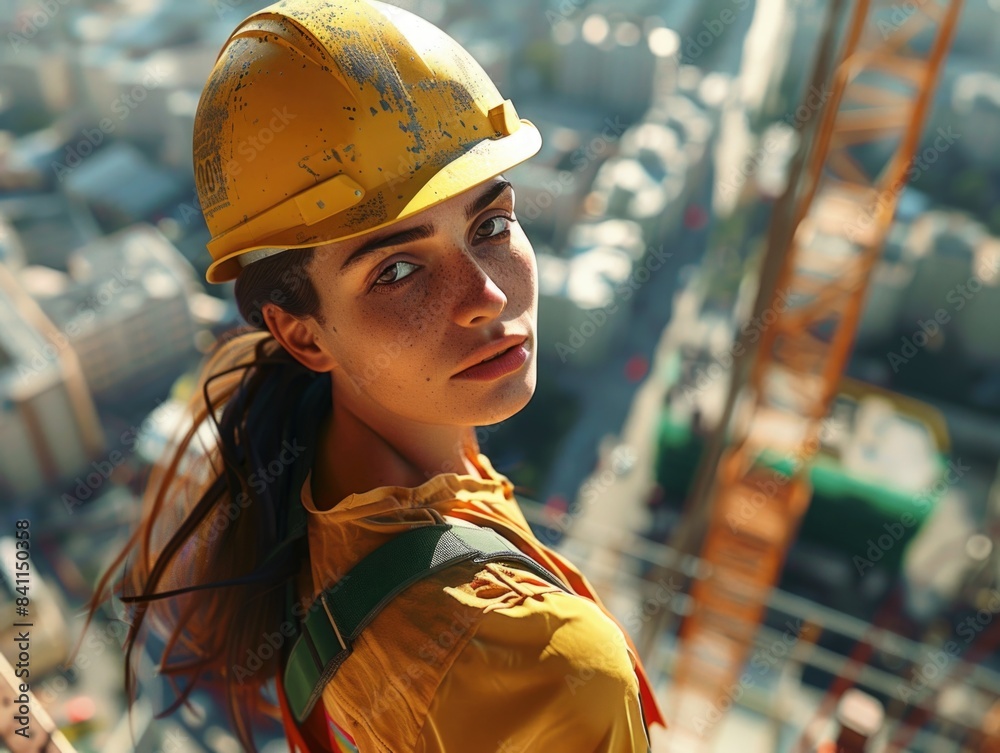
point(825, 237)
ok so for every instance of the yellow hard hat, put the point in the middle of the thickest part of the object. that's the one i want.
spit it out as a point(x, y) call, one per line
point(325, 119)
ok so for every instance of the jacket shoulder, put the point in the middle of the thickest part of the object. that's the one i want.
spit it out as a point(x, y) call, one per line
point(547, 672)
point(382, 691)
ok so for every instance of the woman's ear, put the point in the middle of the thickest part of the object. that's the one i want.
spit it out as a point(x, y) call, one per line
point(298, 337)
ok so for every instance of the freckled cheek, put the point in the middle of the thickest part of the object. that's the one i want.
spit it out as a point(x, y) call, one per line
point(402, 326)
point(522, 279)
point(381, 314)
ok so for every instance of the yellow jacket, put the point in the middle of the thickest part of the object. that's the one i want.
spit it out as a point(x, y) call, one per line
point(477, 658)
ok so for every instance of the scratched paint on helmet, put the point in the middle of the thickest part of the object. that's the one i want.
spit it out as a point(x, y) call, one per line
point(372, 92)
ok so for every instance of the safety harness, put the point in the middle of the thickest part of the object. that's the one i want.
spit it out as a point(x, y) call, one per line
point(335, 619)
point(341, 612)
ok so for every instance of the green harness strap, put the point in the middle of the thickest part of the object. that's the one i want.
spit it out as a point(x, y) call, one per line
point(340, 613)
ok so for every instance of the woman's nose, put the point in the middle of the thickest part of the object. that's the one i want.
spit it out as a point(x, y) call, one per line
point(478, 297)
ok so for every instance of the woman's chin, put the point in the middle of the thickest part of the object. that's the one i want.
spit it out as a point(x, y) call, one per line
point(502, 404)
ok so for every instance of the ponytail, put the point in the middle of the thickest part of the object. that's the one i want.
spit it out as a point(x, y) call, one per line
point(197, 565)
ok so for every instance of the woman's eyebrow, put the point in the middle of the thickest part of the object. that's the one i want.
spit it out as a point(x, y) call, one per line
point(422, 232)
point(418, 233)
point(486, 199)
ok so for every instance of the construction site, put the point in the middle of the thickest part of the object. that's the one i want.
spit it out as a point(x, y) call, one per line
point(767, 424)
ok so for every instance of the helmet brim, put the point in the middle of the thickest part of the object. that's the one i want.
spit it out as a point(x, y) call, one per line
point(483, 161)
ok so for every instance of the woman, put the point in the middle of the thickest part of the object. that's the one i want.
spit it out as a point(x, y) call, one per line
point(349, 163)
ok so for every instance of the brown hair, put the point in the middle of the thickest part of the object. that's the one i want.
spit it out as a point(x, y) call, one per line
point(205, 589)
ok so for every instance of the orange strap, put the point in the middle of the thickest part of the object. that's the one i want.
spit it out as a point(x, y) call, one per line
point(314, 736)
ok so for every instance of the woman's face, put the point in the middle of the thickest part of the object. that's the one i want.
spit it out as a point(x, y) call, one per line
point(408, 307)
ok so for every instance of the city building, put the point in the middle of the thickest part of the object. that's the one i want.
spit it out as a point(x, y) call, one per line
point(578, 314)
point(35, 79)
point(623, 234)
point(651, 192)
point(49, 428)
point(943, 245)
point(550, 186)
point(611, 64)
point(49, 226)
point(888, 287)
point(12, 253)
point(121, 186)
point(975, 99)
point(124, 305)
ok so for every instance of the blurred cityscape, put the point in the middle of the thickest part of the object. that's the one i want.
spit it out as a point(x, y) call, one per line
point(670, 131)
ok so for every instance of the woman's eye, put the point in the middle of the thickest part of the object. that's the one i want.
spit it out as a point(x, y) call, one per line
point(494, 226)
point(380, 282)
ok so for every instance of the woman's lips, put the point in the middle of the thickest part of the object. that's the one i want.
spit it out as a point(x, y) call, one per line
point(507, 362)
